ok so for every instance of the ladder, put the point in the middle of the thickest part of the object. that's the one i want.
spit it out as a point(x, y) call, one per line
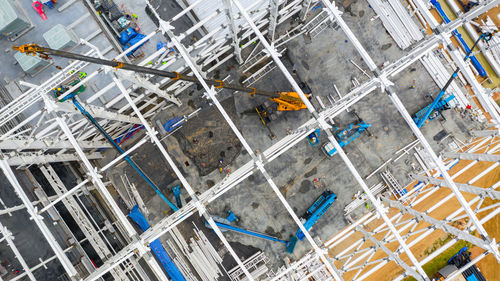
point(319, 23)
point(254, 60)
point(393, 184)
point(261, 72)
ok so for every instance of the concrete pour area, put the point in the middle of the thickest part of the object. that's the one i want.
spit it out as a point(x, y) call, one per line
point(199, 145)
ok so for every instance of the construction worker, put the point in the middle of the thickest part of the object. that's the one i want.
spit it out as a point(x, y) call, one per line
point(412, 85)
point(82, 74)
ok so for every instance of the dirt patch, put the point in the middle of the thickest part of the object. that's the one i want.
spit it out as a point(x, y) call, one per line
point(311, 172)
point(210, 183)
point(305, 65)
point(386, 46)
point(307, 161)
point(208, 147)
point(305, 186)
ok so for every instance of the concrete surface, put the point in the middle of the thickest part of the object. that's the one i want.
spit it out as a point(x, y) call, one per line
point(323, 62)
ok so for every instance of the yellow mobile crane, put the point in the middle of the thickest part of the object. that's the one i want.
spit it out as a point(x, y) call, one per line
point(287, 101)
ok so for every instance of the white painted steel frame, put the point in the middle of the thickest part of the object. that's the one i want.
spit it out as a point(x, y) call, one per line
point(258, 161)
point(369, 217)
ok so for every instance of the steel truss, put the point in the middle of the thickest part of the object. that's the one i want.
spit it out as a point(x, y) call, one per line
point(58, 127)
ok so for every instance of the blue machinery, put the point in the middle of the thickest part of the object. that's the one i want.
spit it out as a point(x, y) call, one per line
point(176, 190)
point(313, 137)
point(232, 217)
point(310, 217)
point(462, 259)
point(220, 222)
point(316, 211)
point(432, 107)
point(172, 270)
point(244, 231)
point(346, 136)
point(440, 106)
point(117, 147)
point(475, 62)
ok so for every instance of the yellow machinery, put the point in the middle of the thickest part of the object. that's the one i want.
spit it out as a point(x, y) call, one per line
point(287, 101)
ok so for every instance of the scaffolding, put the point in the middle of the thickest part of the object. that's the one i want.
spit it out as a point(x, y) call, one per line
point(37, 130)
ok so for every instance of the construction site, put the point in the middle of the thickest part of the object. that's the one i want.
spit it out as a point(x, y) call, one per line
point(276, 140)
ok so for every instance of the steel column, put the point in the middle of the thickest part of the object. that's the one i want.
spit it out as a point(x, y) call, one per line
point(7, 236)
point(326, 127)
point(66, 263)
point(273, 18)
point(440, 167)
point(234, 31)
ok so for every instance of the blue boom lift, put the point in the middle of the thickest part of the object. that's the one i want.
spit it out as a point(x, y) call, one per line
point(432, 107)
point(316, 211)
point(440, 106)
point(176, 190)
point(345, 136)
point(225, 225)
point(61, 90)
point(477, 65)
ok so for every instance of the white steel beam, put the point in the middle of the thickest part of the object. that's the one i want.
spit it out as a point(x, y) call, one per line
point(441, 168)
point(334, 12)
point(21, 143)
point(80, 218)
point(21, 158)
point(473, 156)
point(84, 182)
point(485, 133)
point(9, 210)
point(273, 18)
point(98, 112)
point(479, 91)
point(423, 8)
point(211, 93)
point(66, 263)
point(21, 124)
point(96, 177)
point(392, 95)
point(7, 236)
point(306, 5)
point(483, 192)
point(439, 224)
point(234, 31)
point(323, 125)
point(167, 29)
